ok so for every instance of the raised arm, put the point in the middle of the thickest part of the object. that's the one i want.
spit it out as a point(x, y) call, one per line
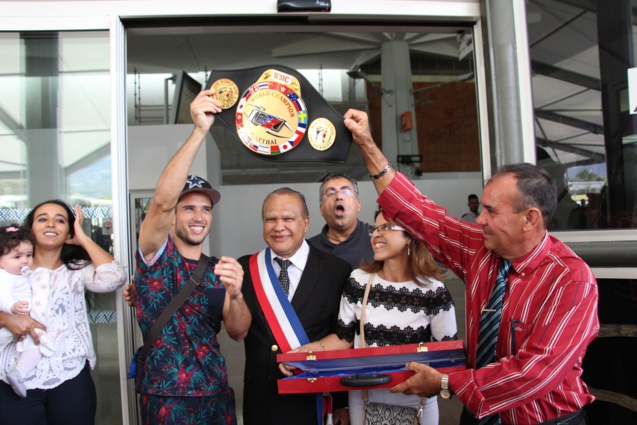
point(96, 252)
point(377, 164)
point(159, 219)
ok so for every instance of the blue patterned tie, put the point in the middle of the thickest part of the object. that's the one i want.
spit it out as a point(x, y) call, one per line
point(284, 278)
point(489, 328)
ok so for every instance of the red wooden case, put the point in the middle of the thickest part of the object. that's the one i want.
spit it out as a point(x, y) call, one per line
point(324, 370)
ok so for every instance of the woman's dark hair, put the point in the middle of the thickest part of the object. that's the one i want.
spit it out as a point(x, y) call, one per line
point(74, 257)
point(13, 235)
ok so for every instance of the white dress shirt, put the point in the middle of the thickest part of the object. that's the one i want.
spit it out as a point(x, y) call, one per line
point(295, 270)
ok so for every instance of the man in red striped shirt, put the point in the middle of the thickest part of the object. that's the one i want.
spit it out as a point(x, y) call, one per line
point(549, 312)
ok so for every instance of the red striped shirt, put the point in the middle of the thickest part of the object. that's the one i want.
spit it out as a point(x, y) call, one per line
point(549, 314)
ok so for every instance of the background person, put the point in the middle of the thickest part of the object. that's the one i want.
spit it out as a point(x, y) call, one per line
point(549, 309)
point(316, 281)
point(424, 311)
point(184, 377)
point(343, 235)
point(473, 213)
point(66, 262)
point(102, 238)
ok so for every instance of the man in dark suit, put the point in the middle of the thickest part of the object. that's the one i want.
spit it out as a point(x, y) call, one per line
point(314, 284)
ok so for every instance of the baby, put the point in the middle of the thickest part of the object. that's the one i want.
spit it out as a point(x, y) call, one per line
point(16, 258)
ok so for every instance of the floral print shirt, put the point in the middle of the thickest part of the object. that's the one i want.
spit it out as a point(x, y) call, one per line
point(185, 359)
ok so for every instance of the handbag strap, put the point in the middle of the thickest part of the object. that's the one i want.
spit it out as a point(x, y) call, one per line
point(364, 393)
point(178, 301)
point(362, 331)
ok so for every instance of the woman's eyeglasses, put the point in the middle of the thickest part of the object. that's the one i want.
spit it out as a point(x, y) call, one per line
point(386, 227)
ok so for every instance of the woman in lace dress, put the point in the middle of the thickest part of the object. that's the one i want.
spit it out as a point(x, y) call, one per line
point(407, 304)
point(66, 262)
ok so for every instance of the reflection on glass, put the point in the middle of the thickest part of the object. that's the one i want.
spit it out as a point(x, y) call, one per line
point(55, 138)
point(585, 132)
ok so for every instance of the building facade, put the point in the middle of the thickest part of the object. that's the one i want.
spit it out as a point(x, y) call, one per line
point(454, 89)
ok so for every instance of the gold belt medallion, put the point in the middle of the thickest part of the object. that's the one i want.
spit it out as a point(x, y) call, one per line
point(321, 134)
point(271, 117)
point(226, 92)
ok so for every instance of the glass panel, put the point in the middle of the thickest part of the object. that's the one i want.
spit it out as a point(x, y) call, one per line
point(55, 137)
point(440, 88)
point(585, 134)
point(13, 162)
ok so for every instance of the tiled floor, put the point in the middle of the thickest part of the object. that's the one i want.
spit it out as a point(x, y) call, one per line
point(234, 354)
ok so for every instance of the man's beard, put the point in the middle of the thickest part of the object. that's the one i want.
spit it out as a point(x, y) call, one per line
point(185, 237)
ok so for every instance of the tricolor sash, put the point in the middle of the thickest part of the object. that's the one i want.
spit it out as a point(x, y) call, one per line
point(282, 319)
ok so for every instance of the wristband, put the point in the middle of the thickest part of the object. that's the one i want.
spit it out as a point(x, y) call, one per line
point(444, 387)
point(382, 173)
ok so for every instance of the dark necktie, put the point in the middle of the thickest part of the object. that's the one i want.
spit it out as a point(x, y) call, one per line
point(490, 326)
point(284, 278)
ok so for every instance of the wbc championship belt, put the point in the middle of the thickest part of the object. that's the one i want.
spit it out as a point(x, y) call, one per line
point(278, 115)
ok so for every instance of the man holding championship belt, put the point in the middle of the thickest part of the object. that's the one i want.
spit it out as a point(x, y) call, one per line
point(184, 375)
point(531, 302)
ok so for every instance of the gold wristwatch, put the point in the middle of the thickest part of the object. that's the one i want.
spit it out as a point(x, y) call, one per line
point(444, 385)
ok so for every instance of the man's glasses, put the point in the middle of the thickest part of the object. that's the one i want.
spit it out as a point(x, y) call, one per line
point(346, 191)
point(386, 227)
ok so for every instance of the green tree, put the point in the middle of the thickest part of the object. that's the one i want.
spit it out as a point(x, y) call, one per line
point(586, 175)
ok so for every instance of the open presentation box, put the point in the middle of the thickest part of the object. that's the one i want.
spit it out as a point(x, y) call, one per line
point(375, 367)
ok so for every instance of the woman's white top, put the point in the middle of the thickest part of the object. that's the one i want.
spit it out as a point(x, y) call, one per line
point(396, 313)
point(67, 324)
